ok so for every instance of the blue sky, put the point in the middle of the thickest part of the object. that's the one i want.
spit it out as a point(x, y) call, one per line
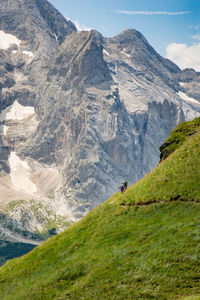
point(172, 27)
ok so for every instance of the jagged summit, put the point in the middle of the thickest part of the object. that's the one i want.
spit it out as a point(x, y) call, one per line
point(134, 45)
point(26, 18)
point(128, 34)
point(81, 59)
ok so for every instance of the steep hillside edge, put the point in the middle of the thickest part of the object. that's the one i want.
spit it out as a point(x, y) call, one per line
point(122, 249)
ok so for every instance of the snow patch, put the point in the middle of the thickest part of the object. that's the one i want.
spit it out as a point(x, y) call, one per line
point(19, 77)
point(20, 174)
point(28, 53)
point(106, 52)
point(187, 98)
point(128, 55)
point(5, 129)
point(16, 112)
point(182, 83)
point(7, 39)
point(5, 90)
point(56, 37)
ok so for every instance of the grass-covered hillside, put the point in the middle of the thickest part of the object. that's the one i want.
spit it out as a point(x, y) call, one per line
point(178, 137)
point(177, 177)
point(143, 244)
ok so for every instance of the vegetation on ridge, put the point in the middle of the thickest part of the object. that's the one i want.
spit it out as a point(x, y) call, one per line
point(176, 178)
point(122, 249)
point(178, 137)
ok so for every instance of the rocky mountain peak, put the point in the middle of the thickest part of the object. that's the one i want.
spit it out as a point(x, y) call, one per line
point(133, 40)
point(188, 75)
point(134, 45)
point(58, 24)
point(128, 34)
point(29, 19)
point(80, 59)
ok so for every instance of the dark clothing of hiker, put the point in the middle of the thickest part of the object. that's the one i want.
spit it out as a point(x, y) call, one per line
point(122, 188)
point(125, 185)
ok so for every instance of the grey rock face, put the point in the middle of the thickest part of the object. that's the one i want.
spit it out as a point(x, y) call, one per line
point(190, 83)
point(29, 19)
point(109, 105)
point(40, 29)
point(30, 33)
point(102, 108)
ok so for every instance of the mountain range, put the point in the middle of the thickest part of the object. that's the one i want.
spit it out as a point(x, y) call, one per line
point(79, 113)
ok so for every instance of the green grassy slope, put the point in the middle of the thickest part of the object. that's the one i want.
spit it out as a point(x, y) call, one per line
point(125, 248)
point(178, 137)
point(176, 178)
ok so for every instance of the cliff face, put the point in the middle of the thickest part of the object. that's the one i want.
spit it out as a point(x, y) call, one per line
point(79, 113)
point(30, 34)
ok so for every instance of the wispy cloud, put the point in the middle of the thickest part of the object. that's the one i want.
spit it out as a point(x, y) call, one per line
point(151, 13)
point(196, 37)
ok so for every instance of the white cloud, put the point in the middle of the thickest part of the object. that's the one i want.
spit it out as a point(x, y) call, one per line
point(196, 37)
point(150, 13)
point(81, 27)
point(184, 56)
